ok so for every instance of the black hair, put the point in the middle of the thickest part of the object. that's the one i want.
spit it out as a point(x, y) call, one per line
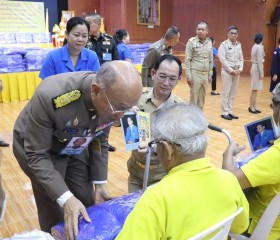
point(258, 38)
point(119, 35)
point(212, 39)
point(233, 27)
point(171, 32)
point(74, 21)
point(169, 58)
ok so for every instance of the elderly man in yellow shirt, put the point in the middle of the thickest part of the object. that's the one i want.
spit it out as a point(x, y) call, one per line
point(194, 195)
point(262, 173)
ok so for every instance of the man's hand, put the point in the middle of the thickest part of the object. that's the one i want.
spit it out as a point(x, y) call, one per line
point(274, 78)
point(101, 193)
point(235, 72)
point(73, 208)
point(210, 80)
point(234, 148)
point(190, 82)
point(1, 86)
point(134, 109)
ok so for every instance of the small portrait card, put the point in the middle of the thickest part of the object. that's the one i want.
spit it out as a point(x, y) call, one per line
point(76, 145)
point(260, 133)
point(130, 131)
point(144, 130)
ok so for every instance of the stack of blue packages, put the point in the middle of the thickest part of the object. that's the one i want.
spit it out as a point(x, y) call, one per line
point(107, 219)
point(11, 60)
point(138, 52)
point(35, 58)
point(245, 158)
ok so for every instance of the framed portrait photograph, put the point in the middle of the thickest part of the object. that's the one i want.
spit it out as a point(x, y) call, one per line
point(66, 15)
point(130, 131)
point(148, 12)
point(260, 133)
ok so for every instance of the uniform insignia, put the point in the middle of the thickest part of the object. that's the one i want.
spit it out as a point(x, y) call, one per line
point(75, 122)
point(68, 124)
point(275, 52)
point(64, 99)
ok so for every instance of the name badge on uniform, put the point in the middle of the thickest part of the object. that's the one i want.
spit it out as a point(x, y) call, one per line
point(76, 145)
point(107, 56)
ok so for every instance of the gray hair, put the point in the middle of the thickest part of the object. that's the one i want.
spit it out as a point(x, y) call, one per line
point(96, 17)
point(182, 124)
point(276, 94)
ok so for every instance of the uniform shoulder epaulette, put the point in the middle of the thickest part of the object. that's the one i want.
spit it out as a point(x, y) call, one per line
point(191, 39)
point(107, 35)
point(224, 42)
point(177, 99)
point(65, 99)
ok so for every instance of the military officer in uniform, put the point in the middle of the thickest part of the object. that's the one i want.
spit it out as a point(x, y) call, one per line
point(64, 106)
point(166, 73)
point(199, 64)
point(275, 68)
point(159, 48)
point(103, 44)
point(231, 58)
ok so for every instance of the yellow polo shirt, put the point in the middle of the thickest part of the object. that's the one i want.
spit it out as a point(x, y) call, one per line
point(264, 175)
point(190, 198)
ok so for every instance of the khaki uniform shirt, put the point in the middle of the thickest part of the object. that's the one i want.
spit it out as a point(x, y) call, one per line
point(231, 56)
point(199, 56)
point(257, 57)
point(46, 125)
point(155, 51)
point(147, 103)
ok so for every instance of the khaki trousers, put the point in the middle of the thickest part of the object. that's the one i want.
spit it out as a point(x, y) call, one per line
point(199, 89)
point(136, 174)
point(229, 89)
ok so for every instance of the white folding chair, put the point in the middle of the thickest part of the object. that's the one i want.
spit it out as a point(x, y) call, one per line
point(223, 225)
point(266, 222)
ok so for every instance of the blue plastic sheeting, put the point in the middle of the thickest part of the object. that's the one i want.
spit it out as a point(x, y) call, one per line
point(107, 219)
point(244, 159)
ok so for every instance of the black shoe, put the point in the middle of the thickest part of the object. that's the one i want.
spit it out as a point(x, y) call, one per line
point(233, 116)
point(4, 144)
point(251, 111)
point(213, 93)
point(258, 111)
point(111, 148)
point(227, 117)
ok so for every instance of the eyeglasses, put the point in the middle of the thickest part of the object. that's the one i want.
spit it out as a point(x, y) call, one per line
point(172, 80)
point(115, 112)
point(153, 145)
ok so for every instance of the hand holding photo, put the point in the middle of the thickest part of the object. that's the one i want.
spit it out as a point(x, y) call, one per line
point(261, 133)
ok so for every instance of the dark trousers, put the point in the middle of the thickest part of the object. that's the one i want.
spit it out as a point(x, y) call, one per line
point(76, 176)
point(214, 79)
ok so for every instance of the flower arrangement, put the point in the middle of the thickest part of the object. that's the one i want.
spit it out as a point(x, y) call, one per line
point(56, 29)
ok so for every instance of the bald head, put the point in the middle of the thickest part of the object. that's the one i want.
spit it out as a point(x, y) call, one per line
point(122, 84)
point(120, 73)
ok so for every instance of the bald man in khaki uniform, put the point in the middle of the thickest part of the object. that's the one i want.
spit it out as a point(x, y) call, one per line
point(199, 64)
point(166, 73)
point(231, 58)
point(65, 106)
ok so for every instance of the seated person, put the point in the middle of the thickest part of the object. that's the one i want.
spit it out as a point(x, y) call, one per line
point(166, 74)
point(194, 195)
point(262, 173)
